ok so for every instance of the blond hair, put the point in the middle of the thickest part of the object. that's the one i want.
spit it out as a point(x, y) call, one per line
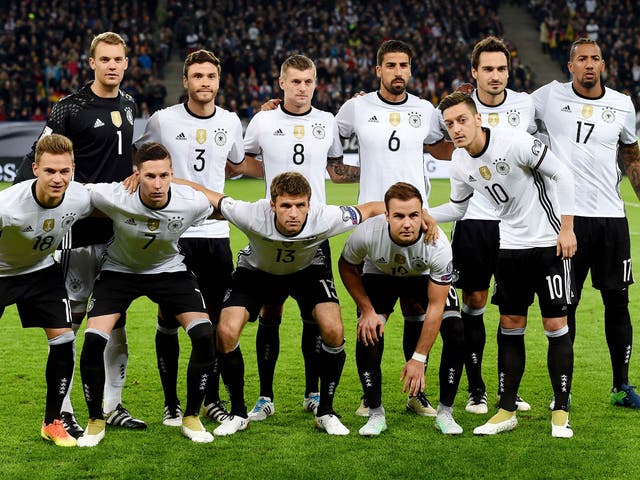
point(54, 144)
point(110, 38)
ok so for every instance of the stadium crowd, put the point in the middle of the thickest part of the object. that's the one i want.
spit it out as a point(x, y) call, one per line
point(44, 45)
point(341, 36)
point(611, 24)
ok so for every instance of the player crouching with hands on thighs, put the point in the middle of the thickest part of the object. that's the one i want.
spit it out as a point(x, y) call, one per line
point(399, 264)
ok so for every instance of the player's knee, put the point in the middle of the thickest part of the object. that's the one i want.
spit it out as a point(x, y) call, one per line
point(475, 300)
point(333, 334)
point(227, 336)
point(66, 337)
point(615, 298)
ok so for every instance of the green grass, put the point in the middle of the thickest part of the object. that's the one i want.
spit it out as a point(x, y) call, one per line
point(287, 446)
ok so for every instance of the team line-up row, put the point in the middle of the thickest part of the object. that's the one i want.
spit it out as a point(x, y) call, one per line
point(533, 210)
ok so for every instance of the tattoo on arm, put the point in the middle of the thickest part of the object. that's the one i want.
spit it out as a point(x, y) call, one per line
point(630, 156)
point(343, 173)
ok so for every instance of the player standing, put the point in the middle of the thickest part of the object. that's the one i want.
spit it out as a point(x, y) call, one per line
point(297, 137)
point(399, 263)
point(592, 125)
point(394, 128)
point(99, 121)
point(144, 260)
point(476, 238)
point(201, 137)
point(533, 194)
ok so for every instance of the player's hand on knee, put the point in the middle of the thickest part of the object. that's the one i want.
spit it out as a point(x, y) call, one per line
point(370, 328)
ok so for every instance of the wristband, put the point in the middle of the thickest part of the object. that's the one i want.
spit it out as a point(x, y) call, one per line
point(419, 357)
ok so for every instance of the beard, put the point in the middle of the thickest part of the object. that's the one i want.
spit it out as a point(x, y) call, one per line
point(395, 87)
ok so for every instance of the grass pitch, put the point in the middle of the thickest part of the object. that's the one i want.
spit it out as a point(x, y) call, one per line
point(287, 446)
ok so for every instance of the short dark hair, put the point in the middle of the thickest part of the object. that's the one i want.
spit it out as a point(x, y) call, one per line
point(55, 144)
point(582, 41)
point(290, 183)
point(299, 62)
point(456, 98)
point(151, 151)
point(401, 191)
point(393, 46)
point(489, 44)
point(200, 56)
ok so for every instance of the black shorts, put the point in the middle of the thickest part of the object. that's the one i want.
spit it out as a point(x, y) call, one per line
point(40, 296)
point(211, 261)
point(475, 245)
point(253, 288)
point(605, 249)
point(325, 251)
point(175, 292)
point(521, 273)
point(384, 291)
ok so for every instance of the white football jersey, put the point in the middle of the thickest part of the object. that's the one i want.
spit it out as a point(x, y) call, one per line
point(300, 143)
point(391, 139)
point(29, 232)
point(146, 239)
point(516, 111)
point(273, 252)
point(199, 148)
point(514, 173)
point(372, 244)
point(585, 133)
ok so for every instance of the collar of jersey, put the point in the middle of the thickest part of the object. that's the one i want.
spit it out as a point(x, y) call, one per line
point(35, 197)
point(186, 107)
point(406, 97)
point(404, 244)
point(588, 98)
point(284, 110)
point(492, 106)
point(486, 144)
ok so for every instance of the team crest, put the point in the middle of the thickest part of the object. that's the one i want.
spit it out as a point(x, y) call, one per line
point(399, 259)
point(220, 137)
point(502, 167)
point(298, 132)
point(67, 220)
point(513, 117)
point(48, 224)
point(394, 119)
point(493, 120)
point(129, 114)
point(536, 148)
point(414, 120)
point(485, 172)
point(608, 115)
point(116, 118)
point(201, 135)
point(153, 224)
point(74, 284)
point(587, 111)
point(175, 224)
point(318, 131)
point(418, 264)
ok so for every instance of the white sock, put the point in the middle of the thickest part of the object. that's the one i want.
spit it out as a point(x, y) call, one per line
point(116, 356)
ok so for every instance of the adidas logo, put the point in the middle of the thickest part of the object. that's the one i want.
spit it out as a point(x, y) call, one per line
point(27, 229)
point(98, 123)
point(566, 108)
point(381, 260)
point(130, 221)
point(471, 179)
point(181, 136)
point(374, 119)
point(278, 133)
